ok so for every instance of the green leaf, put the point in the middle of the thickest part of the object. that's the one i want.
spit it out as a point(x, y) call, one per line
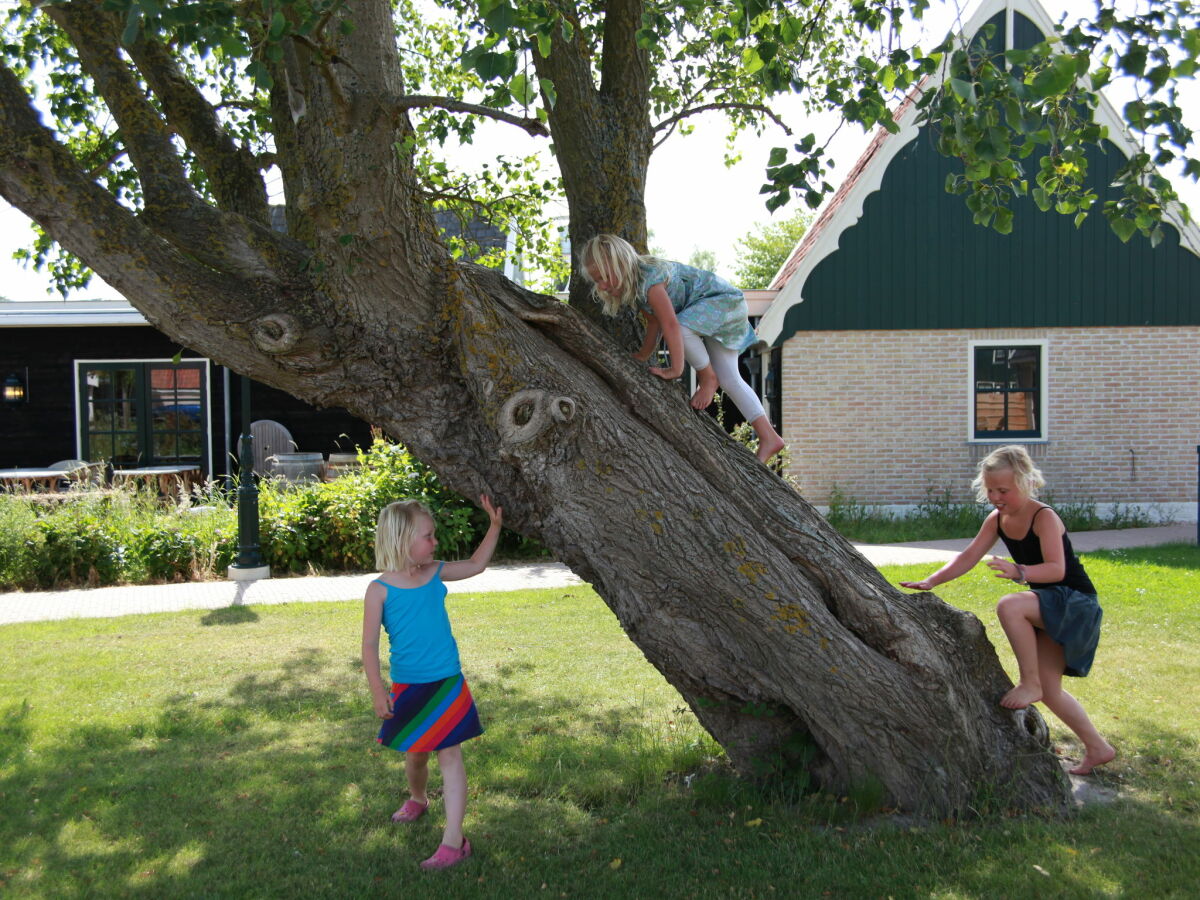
point(1055, 78)
point(523, 90)
point(1042, 198)
point(547, 87)
point(257, 71)
point(964, 89)
point(777, 157)
point(1004, 220)
point(751, 61)
point(133, 24)
point(1134, 60)
point(500, 18)
point(646, 38)
point(544, 43)
point(1123, 228)
point(494, 65)
point(1079, 218)
point(279, 25)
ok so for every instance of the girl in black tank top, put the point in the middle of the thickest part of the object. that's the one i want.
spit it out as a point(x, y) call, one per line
point(1028, 552)
point(1053, 620)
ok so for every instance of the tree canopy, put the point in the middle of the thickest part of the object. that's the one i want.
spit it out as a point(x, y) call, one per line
point(765, 249)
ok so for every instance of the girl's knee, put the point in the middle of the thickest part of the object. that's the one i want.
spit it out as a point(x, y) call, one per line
point(1008, 605)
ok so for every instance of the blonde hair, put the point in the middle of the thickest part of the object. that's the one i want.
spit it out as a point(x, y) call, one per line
point(395, 533)
point(615, 260)
point(1015, 458)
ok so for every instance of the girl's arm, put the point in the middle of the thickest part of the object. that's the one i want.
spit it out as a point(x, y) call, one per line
point(372, 618)
point(453, 571)
point(1049, 529)
point(650, 339)
point(664, 312)
point(965, 561)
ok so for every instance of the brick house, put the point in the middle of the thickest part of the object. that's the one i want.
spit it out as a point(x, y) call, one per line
point(907, 342)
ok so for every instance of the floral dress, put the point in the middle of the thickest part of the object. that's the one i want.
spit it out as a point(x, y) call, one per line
point(705, 303)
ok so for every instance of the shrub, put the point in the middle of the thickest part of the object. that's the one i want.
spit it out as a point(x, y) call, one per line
point(132, 536)
point(332, 525)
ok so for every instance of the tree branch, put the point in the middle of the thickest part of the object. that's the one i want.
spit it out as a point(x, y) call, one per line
point(671, 121)
point(41, 178)
point(172, 206)
point(232, 172)
point(625, 70)
point(147, 139)
point(532, 126)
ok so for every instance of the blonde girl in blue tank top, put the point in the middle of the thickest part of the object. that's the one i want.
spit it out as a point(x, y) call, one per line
point(429, 708)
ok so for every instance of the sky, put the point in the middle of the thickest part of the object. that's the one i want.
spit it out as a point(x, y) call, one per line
point(693, 200)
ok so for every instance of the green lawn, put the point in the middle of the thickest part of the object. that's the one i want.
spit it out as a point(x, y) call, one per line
point(231, 754)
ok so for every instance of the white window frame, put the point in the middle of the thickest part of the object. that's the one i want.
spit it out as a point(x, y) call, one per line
point(1043, 389)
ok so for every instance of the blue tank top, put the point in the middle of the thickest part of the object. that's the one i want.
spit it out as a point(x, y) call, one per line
point(421, 645)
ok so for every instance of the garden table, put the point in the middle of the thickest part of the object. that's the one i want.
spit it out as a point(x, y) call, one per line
point(165, 477)
point(28, 478)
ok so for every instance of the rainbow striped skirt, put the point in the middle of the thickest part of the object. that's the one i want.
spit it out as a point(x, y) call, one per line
point(430, 716)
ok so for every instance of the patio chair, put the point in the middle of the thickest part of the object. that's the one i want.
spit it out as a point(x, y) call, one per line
point(75, 471)
point(269, 438)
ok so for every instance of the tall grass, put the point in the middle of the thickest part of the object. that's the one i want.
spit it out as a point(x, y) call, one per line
point(230, 754)
point(939, 517)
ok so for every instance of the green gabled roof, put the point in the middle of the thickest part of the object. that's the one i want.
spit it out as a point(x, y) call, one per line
point(894, 251)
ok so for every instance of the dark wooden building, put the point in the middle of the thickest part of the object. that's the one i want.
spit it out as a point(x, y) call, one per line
point(102, 384)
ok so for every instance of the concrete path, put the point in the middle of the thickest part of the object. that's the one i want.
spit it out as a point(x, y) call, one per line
point(120, 601)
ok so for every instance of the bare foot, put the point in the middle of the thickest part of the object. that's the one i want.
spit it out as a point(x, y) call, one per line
point(767, 449)
point(1021, 696)
point(1093, 758)
point(705, 388)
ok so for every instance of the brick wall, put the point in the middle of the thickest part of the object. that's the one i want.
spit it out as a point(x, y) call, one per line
point(884, 415)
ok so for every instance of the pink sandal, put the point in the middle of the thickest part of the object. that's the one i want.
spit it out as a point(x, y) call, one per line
point(447, 856)
point(410, 811)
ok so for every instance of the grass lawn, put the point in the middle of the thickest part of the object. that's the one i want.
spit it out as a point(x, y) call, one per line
point(231, 754)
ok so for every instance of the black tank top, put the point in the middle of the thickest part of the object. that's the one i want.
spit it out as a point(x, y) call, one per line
point(1028, 552)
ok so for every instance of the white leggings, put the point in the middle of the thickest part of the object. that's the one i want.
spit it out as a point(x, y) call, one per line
point(701, 352)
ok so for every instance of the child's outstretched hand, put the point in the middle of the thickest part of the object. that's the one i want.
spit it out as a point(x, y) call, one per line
point(917, 585)
point(495, 513)
point(1004, 568)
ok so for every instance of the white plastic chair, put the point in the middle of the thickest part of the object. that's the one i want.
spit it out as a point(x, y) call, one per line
point(269, 438)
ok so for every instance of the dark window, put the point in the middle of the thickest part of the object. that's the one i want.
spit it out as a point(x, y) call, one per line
point(1008, 395)
point(144, 413)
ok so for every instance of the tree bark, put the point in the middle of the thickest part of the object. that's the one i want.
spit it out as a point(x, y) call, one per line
point(790, 648)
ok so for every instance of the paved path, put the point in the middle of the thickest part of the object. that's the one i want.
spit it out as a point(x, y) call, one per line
point(119, 601)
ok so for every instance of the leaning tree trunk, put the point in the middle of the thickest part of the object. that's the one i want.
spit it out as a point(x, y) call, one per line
point(789, 646)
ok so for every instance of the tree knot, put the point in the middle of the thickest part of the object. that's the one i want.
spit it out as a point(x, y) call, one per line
point(275, 333)
point(528, 413)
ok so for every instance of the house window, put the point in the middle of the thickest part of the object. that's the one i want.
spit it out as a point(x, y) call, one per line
point(144, 413)
point(1008, 391)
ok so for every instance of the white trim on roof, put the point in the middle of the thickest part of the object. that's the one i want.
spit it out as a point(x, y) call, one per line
point(883, 149)
point(66, 313)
